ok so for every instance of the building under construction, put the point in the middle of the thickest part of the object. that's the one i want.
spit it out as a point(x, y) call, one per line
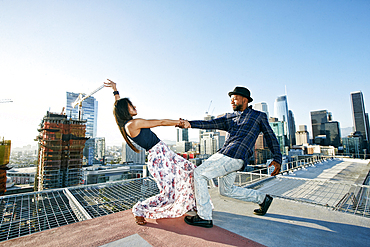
point(4, 160)
point(61, 144)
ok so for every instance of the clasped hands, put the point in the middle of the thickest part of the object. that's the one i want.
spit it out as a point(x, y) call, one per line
point(183, 124)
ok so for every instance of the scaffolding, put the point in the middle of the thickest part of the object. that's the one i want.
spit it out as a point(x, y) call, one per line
point(61, 144)
point(4, 160)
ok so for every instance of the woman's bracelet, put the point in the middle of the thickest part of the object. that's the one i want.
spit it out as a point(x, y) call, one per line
point(115, 93)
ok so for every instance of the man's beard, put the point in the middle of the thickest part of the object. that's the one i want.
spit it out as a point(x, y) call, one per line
point(238, 107)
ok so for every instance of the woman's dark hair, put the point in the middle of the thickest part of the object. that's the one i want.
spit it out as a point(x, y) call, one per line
point(122, 116)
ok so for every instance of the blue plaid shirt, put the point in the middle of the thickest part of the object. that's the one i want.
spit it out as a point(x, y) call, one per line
point(243, 129)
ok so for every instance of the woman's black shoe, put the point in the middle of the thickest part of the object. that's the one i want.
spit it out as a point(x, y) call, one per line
point(197, 221)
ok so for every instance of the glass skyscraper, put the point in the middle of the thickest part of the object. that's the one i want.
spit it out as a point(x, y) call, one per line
point(89, 111)
point(182, 135)
point(291, 128)
point(280, 130)
point(129, 155)
point(325, 132)
point(262, 107)
point(360, 119)
point(281, 112)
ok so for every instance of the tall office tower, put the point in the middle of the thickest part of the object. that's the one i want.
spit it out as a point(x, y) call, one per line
point(261, 151)
point(260, 142)
point(182, 135)
point(360, 117)
point(182, 144)
point(292, 128)
point(89, 109)
point(352, 144)
point(202, 131)
point(94, 151)
point(211, 142)
point(129, 155)
point(88, 152)
point(280, 130)
point(325, 132)
point(301, 135)
point(262, 107)
point(61, 142)
point(99, 148)
point(281, 111)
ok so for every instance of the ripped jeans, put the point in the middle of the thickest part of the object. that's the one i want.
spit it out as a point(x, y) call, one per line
point(219, 165)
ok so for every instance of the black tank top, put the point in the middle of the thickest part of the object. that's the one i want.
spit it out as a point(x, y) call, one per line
point(146, 139)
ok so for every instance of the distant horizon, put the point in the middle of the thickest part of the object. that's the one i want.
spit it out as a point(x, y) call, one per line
point(174, 141)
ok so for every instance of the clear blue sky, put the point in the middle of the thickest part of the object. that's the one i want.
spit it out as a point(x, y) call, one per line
point(173, 57)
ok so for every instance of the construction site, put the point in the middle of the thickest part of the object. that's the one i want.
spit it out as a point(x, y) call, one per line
point(4, 160)
point(60, 155)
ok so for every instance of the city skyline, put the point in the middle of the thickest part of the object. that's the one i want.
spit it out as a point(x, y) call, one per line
point(173, 58)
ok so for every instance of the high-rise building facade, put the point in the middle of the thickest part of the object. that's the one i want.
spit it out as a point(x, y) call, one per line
point(61, 143)
point(182, 143)
point(281, 108)
point(325, 131)
point(183, 146)
point(352, 145)
point(281, 112)
point(99, 148)
point(302, 135)
point(360, 117)
point(129, 155)
point(89, 110)
point(88, 152)
point(292, 128)
point(211, 142)
point(261, 151)
point(280, 130)
point(182, 135)
point(262, 107)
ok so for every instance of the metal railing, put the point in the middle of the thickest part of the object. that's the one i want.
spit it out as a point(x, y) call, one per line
point(27, 213)
point(245, 178)
point(339, 196)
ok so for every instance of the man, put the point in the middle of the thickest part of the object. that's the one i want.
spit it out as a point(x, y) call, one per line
point(243, 127)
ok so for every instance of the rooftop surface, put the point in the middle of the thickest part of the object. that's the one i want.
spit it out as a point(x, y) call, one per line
point(324, 204)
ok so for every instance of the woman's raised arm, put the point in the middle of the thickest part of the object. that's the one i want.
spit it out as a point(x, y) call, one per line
point(114, 87)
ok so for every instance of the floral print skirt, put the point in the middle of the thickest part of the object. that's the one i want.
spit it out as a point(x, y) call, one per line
point(174, 177)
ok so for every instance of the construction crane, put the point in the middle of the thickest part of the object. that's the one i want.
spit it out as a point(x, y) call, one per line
point(81, 98)
point(6, 100)
point(209, 107)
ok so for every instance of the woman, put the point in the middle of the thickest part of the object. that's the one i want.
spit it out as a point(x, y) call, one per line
point(172, 173)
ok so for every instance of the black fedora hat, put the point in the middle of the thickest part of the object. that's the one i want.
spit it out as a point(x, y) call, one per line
point(243, 92)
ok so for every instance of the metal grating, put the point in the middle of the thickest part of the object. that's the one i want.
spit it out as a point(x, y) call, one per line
point(27, 213)
point(115, 197)
point(349, 198)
